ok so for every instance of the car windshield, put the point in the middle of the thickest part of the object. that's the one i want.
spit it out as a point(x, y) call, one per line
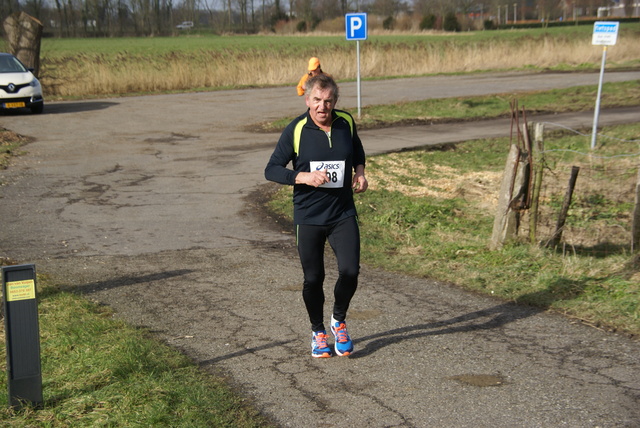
point(9, 64)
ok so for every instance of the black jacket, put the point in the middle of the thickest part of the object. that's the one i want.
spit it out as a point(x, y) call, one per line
point(303, 141)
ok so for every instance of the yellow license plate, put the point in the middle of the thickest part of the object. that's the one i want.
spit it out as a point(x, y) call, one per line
point(14, 105)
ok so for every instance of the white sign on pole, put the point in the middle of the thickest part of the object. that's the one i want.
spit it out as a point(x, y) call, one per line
point(605, 33)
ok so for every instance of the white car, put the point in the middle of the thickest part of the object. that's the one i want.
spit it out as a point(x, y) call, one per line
point(186, 25)
point(19, 88)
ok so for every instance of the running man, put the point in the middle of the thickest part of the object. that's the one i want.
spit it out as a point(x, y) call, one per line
point(328, 163)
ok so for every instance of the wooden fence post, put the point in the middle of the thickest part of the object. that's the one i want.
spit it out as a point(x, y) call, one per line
point(514, 185)
point(23, 34)
point(538, 168)
point(562, 218)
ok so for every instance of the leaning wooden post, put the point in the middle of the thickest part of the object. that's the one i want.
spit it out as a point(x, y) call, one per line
point(514, 182)
point(23, 33)
point(635, 227)
point(538, 168)
point(562, 218)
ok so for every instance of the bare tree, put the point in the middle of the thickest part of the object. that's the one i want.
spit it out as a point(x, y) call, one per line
point(385, 7)
point(142, 14)
point(466, 6)
point(73, 16)
point(242, 9)
point(292, 7)
point(304, 10)
point(435, 7)
point(34, 8)
point(7, 7)
point(217, 17)
point(328, 9)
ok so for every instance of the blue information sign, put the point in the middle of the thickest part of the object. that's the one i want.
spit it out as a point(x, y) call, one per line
point(356, 26)
point(605, 33)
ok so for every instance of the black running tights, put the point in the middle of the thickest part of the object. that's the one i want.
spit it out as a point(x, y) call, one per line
point(344, 238)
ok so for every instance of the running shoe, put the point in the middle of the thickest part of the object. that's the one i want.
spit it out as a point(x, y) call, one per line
point(319, 348)
point(343, 345)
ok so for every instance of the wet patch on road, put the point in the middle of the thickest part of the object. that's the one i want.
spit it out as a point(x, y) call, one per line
point(172, 138)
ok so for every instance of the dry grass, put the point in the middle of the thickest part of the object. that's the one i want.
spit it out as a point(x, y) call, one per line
point(86, 75)
point(176, 72)
point(601, 205)
point(603, 184)
point(473, 57)
point(438, 181)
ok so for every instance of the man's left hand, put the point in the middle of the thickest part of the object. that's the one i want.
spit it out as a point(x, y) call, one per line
point(359, 184)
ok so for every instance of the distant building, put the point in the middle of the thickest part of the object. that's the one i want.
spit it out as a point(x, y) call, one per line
point(619, 10)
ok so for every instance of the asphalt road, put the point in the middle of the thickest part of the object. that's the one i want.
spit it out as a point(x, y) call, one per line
point(149, 205)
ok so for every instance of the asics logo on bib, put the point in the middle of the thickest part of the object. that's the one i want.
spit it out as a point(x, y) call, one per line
point(327, 166)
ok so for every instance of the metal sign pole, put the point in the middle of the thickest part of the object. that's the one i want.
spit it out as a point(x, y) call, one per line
point(356, 29)
point(358, 55)
point(605, 33)
point(596, 114)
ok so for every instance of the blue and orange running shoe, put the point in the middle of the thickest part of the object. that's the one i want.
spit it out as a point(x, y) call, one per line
point(319, 347)
point(344, 345)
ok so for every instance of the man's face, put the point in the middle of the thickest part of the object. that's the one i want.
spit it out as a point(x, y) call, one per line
point(321, 102)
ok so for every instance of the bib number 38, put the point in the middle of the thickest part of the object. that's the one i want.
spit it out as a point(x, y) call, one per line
point(335, 172)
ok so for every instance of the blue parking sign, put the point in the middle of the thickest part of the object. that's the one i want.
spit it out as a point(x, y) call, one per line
point(356, 26)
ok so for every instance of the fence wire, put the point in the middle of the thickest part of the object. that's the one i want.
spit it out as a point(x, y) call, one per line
point(600, 216)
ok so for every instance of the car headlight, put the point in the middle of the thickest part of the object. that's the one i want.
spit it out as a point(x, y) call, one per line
point(34, 83)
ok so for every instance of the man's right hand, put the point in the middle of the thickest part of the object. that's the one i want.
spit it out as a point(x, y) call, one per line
point(313, 178)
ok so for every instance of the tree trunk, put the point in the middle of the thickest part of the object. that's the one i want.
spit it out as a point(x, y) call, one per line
point(23, 34)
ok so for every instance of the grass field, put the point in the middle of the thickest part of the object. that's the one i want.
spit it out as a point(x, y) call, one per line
point(84, 68)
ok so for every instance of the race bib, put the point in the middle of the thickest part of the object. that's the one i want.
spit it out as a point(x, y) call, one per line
point(335, 172)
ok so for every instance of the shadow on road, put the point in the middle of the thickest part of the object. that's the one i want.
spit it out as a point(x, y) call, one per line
point(498, 316)
point(216, 360)
point(485, 319)
point(62, 108)
point(77, 107)
point(131, 280)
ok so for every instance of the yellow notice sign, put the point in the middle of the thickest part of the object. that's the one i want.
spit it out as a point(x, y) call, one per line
point(21, 290)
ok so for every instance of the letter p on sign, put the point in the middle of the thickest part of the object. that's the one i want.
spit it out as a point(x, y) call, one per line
point(356, 26)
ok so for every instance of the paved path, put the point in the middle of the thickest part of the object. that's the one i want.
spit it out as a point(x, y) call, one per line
point(148, 204)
